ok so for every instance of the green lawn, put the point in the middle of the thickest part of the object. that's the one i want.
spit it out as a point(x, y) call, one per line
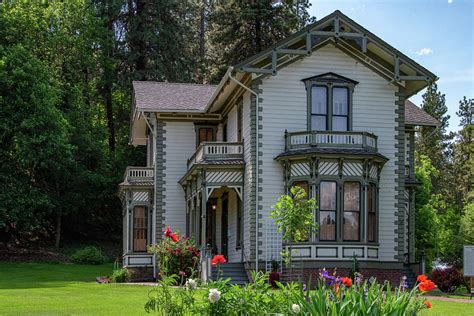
point(58, 289)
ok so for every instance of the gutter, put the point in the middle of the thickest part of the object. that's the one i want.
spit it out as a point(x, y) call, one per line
point(229, 75)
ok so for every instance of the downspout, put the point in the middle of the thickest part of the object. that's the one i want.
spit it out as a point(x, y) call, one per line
point(256, 161)
point(153, 231)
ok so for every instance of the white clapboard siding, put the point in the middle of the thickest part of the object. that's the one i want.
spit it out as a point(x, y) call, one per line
point(248, 171)
point(180, 145)
point(234, 255)
point(284, 107)
point(232, 125)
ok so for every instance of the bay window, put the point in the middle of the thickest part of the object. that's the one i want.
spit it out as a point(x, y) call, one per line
point(140, 230)
point(327, 210)
point(371, 210)
point(351, 217)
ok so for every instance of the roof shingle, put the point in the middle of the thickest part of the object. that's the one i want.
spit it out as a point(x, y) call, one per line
point(416, 116)
point(164, 96)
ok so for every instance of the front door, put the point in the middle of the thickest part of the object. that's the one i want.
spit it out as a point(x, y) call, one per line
point(224, 224)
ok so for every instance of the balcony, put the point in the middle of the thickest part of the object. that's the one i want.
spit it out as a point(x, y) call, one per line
point(217, 153)
point(138, 176)
point(330, 139)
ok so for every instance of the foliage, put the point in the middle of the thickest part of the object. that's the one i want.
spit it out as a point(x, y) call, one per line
point(448, 280)
point(164, 300)
point(176, 255)
point(467, 227)
point(293, 215)
point(121, 275)
point(332, 295)
point(354, 267)
point(89, 255)
point(426, 217)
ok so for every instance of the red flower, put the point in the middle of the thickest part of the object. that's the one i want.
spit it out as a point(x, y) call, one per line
point(218, 259)
point(346, 281)
point(174, 237)
point(426, 286)
point(428, 304)
point(168, 231)
point(421, 278)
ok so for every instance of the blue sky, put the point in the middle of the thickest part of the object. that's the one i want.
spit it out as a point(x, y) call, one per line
point(438, 34)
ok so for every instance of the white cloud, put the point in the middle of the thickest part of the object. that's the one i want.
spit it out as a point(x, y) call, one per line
point(450, 1)
point(424, 51)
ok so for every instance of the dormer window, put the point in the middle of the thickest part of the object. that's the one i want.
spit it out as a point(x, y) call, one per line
point(329, 102)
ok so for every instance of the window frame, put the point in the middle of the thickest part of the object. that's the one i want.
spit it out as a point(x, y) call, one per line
point(336, 216)
point(330, 81)
point(343, 210)
point(376, 212)
point(149, 225)
point(197, 129)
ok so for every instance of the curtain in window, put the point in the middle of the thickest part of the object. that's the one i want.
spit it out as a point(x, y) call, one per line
point(340, 109)
point(327, 213)
point(351, 211)
point(319, 108)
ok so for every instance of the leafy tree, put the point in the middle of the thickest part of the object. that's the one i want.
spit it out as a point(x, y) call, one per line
point(426, 216)
point(294, 218)
point(36, 154)
point(467, 227)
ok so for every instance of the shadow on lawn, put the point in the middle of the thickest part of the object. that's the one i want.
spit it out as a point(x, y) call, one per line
point(47, 275)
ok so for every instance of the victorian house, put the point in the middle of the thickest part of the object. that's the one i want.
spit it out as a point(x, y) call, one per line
point(325, 109)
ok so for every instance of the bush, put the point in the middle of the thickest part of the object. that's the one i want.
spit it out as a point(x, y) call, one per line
point(447, 280)
point(89, 255)
point(176, 255)
point(121, 275)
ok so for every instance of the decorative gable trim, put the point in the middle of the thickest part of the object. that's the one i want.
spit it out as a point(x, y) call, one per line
point(330, 77)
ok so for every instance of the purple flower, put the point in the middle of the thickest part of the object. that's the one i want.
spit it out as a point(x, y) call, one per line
point(358, 279)
point(404, 283)
point(366, 293)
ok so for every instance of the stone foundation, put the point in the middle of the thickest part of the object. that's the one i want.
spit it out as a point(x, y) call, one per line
point(141, 274)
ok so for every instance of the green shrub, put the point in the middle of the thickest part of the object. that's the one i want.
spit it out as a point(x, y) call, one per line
point(121, 276)
point(89, 255)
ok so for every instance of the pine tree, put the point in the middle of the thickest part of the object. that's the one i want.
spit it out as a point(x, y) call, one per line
point(435, 143)
point(240, 29)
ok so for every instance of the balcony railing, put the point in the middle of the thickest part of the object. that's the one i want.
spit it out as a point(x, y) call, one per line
point(210, 151)
point(137, 174)
point(330, 139)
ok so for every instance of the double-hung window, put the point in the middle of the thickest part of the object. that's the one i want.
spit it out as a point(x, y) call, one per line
point(329, 102)
point(351, 218)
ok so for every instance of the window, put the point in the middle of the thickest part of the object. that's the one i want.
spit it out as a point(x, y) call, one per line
point(319, 108)
point(239, 223)
point(140, 228)
point(371, 208)
point(327, 210)
point(351, 219)
point(329, 102)
point(340, 109)
point(206, 134)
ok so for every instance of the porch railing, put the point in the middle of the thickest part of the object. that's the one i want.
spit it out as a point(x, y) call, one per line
point(332, 139)
point(216, 151)
point(139, 173)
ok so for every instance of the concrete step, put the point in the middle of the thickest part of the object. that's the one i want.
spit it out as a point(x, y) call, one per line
point(235, 271)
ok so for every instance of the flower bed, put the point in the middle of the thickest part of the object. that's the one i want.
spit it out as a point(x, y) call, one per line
point(332, 295)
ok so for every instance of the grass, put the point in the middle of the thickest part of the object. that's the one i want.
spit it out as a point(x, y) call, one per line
point(62, 289)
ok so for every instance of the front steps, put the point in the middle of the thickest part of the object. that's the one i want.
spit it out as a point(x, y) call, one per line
point(235, 271)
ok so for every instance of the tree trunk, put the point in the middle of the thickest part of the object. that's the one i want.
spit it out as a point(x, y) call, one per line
point(202, 40)
point(110, 114)
point(58, 231)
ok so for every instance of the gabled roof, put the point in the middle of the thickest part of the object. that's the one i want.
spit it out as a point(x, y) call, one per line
point(152, 96)
point(416, 116)
point(331, 77)
point(353, 39)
